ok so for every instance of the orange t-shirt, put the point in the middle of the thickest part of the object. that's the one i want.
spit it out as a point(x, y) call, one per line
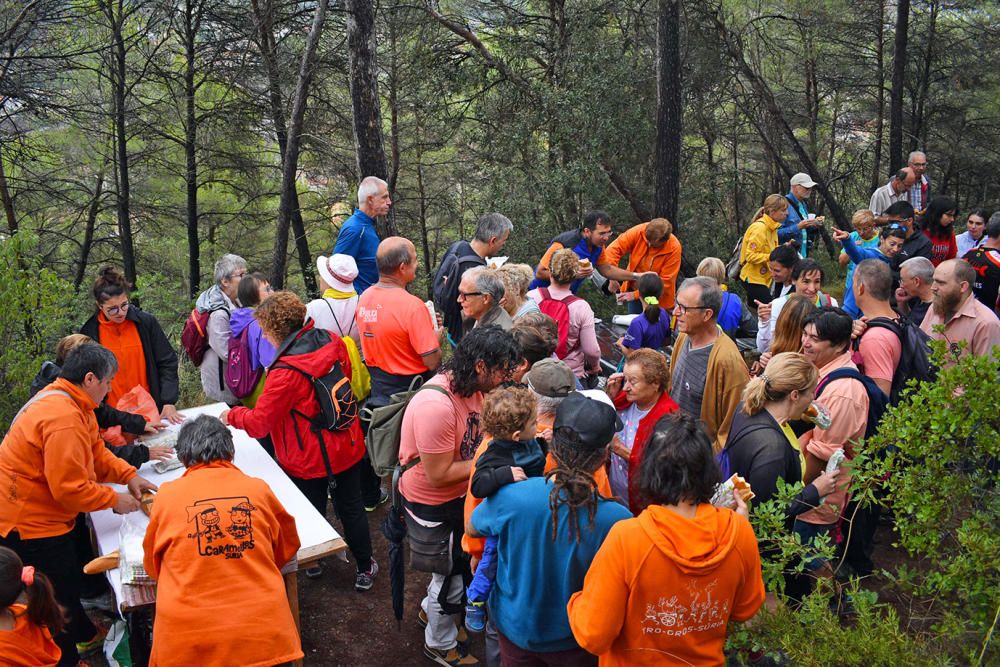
point(123, 340)
point(474, 545)
point(26, 644)
point(216, 542)
point(662, 588)
point(396, 330)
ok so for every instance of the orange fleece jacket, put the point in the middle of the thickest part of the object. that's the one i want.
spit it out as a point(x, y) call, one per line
point(665, 260)
point(662, 588)
point(216, 542)
point(51, 463)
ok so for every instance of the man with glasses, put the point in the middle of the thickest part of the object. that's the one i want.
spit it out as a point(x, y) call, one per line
point(897, 189)
point(707, 371)
point(479, 295)
point(921, 188)
point(798, 223)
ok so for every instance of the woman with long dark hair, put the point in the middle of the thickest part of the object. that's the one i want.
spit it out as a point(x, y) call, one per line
point(939, 226)
point(145, 356)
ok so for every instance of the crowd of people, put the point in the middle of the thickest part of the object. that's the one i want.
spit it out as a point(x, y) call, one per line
point(575, 519)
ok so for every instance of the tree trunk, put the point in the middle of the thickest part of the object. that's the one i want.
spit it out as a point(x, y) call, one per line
point(368, 142)
point(118, 74)
point(918, 136)
point(669, 111)
point(8, 201)
point(288, 207)
point(898, 79)
point(88, 233)
point(876, 179)
point(190, 151)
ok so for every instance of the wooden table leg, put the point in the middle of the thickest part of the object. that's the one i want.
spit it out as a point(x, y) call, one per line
point(292, 591)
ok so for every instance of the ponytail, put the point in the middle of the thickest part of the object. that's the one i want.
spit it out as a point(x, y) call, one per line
point(772, 203)
point(755, 395)
point(43, 609)
point(650, 288)
point(786, 372)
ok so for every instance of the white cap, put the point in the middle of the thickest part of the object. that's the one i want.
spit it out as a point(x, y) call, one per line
point(597, 395)
point(803, 180)
point(338, 271)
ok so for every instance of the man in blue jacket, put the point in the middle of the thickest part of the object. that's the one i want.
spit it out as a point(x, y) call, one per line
point(798, 223)
point(358, 236)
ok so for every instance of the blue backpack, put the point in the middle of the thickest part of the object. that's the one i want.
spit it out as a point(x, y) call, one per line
point(878, 402)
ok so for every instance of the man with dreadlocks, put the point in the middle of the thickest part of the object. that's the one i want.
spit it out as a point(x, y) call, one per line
point(548, 531)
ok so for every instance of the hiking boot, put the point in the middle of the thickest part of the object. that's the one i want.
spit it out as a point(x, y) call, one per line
point(94, 644)
point(463, 636)
point(475, 617)
point(315, 571)
point(453, 657)
point(383, 497)
point(365, 580)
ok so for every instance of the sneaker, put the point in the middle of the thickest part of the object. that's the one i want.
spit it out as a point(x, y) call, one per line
point(383, 497)
point(422, 618)
point(451, 658)
point(315, 571)
point(475, 617)
point(365, 580)
point(94, 644)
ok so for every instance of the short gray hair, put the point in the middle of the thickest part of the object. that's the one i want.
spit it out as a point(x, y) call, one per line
point(227, 265)
point(547, 404)
point(711, 293)
point(204, 439)
point(492, 225)
point(88, 357)
point(489, 282)
point(920, 268)
point(914, 154)
point(369, 187)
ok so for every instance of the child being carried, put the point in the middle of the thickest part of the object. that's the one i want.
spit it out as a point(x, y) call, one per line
point(514, 454)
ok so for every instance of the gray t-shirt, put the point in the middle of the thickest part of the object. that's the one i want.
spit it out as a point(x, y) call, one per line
point(688, 381)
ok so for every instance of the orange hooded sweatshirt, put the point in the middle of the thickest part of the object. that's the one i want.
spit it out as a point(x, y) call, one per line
point(27, 644)
point(51, 463)
point(216, 542)
point(662, 588)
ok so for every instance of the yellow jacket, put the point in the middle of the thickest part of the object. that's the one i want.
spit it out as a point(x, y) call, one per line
point(760, 239)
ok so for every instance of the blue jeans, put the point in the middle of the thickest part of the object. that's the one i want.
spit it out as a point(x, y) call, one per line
point(808, 532)
point(486, 573)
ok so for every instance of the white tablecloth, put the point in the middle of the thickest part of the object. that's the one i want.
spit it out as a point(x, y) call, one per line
point(314, 530)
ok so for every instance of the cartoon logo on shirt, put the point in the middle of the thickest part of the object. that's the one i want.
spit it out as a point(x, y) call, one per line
point(698, 613)
point(471, 438)
point(214, 539)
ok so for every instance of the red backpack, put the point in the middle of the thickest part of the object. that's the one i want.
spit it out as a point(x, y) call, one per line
point(194, 337)
point(558, 309)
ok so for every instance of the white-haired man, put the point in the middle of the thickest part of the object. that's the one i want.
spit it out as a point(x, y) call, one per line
point(920, 191)
point(358, 236)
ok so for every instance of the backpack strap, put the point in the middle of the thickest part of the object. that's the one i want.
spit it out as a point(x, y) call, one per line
point(39, 395)
point(334, 316)
point(312, 424)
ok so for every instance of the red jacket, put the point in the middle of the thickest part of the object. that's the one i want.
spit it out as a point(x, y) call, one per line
point(664, 406)
point(288, 393)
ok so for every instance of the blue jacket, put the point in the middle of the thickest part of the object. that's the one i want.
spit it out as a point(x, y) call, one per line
point(857, 255)
point(359, 239)
point(797, 211)
point(573, 240)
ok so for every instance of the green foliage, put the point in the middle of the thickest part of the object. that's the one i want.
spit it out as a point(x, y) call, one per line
point(39, 307)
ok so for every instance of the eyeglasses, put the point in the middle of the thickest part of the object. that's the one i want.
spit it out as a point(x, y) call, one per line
point(238, 276)
point(115, 310)
point(681, 308)
point(466, 295)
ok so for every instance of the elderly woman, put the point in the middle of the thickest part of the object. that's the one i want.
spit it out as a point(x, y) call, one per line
point(516, 278)
point(640, 395)
point(285, 410)
point(216, 543)
point(578, 344)
point(480, 294)
point(145, 356)
point(219, 300)
point(681, 553)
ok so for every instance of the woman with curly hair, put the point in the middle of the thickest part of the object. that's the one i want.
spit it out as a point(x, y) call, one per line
point(665, 585)
point(548, 531)
point(285, 410)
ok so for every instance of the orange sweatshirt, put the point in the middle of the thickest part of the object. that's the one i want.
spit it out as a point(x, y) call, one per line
point(51, 463)
point(662, 588)
point(27, 645)
point(216, 542)
point(124, 342)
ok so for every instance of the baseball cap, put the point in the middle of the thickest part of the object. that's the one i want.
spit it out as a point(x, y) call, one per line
point(591, 415)
point(338, 271)
point(551, 377)
point(803, 180)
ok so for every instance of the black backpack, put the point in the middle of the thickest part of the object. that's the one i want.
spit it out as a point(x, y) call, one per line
point(915, 358)
point(878, 402)
point(449, 273)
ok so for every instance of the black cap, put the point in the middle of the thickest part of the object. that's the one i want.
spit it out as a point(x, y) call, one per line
point(593, 419)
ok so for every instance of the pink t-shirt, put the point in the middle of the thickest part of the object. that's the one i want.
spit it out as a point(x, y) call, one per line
point(582, 349)
point(880, 348)
point(438, 424)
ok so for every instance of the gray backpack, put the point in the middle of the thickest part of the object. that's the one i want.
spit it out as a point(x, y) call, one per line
point(385, 425)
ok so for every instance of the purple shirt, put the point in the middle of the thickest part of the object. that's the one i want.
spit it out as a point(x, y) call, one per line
point(643, 334)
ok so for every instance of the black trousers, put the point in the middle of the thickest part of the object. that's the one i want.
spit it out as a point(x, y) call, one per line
point(345, 490)
point(57, 558)
point(756, 293)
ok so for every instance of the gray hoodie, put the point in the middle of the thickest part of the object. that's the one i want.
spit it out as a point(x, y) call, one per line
point(213, 365)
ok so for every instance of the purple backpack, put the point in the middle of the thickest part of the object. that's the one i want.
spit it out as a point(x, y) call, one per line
point(240, 375)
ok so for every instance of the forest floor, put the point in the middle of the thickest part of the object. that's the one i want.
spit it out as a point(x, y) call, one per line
point(342, 627)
